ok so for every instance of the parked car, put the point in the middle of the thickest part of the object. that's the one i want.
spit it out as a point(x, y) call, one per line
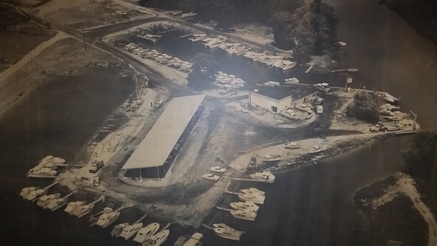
point(96, 181)
point(217, 169)
point(96, 166)
point(309, 115)
point(210, 176)
point(319, 101)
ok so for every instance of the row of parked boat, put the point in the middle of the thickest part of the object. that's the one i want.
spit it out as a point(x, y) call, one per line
point(161, 58)
point(246, 209)
point(221, 42)
point(147, 236)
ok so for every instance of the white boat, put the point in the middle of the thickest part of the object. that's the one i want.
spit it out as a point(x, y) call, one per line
point(42, 172)
point(255, 198)
point(130, 230)
point(291, 145)
point(73, 206)
point(35, 194)
point(266, 177)
point(252, 190)
point(227, 232)
point(272, 158)
point(244, 214)
point(44, 200)
point(144, 233)
point(157, 239)
point(108, 218)
point(250, 206)
point(116, 231)
point(85, 209)
point(194, 240)
point(315, 149)
point(27, 190)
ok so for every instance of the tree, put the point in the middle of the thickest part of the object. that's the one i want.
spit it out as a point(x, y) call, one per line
point(324, 25)
point(364, 107)
point(293, 30)
point(420, 158)
point(204, 69)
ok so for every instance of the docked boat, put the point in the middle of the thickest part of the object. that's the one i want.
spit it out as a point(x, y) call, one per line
point(315, 149)
point(271, 158)
point(42, 172)
point(116, 231)
point(252, 190)
point(73, 206)
point(35, 194)
point(57, 203)
point(157, 239)
point(244, 214)
point(194, 240)
point(227, 232)
point(250, 206)
point(85, 209)
point(44, 200)
point(130, 230)
point(144, 233)
point(266, 177)
point(109, 217)
point(255, 198)
point(292, 145)
point(27, 190)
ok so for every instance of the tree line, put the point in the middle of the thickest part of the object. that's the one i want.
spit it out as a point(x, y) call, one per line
point(306, 28)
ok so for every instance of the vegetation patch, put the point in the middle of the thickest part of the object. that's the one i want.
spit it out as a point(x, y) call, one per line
point(364, 107)
point(396, 220)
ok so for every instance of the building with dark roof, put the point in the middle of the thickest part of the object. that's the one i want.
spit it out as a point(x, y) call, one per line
point(277, 99)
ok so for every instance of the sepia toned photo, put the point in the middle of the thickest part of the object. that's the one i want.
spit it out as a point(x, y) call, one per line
point(218, 122)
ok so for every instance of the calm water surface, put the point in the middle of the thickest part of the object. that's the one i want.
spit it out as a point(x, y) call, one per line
point(311, 206)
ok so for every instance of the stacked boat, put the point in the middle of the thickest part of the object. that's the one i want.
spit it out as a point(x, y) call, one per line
point(247, 208)
point(47, 167)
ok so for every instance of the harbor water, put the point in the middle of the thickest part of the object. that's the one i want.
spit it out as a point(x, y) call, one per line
point(308, 206)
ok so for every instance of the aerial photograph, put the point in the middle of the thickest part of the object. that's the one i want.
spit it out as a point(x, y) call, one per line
point(218, 122)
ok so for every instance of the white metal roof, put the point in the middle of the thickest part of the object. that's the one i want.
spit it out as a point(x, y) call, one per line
point(157, 145)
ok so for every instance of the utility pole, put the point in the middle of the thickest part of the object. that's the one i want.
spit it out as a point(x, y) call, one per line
point(83, 35)
point(348, 81)
point(433, 166)
point(415, 119)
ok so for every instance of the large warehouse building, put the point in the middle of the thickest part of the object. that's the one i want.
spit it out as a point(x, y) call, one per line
point(155, 154)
